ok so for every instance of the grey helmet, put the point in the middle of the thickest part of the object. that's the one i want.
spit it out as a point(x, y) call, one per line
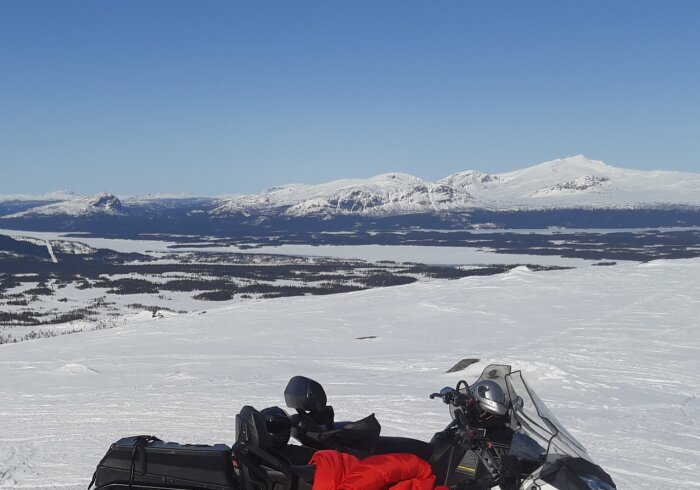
point(490, 397)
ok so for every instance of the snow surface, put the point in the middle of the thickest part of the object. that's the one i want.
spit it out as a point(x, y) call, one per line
point(613, 351)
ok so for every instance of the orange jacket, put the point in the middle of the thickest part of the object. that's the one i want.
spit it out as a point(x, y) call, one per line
point(399, 471)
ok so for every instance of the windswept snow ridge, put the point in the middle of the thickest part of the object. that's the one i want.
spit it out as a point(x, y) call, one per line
point(613, 351)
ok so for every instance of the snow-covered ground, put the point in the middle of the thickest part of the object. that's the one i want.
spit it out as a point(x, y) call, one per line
point(614, 351)
point(61, 305)
point(118, 244)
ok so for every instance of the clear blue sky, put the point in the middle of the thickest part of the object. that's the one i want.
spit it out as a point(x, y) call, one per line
point(222, 97)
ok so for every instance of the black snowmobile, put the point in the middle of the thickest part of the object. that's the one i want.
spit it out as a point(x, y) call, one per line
point(501, 435)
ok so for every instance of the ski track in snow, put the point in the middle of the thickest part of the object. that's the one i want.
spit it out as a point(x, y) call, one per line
point(51, 254)
point(613, 351)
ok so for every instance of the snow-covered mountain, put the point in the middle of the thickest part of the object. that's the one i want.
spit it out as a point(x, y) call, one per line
point(567, 183)
point(578, 182)
point(105, 203)
point(571, 182)
point(386, 194)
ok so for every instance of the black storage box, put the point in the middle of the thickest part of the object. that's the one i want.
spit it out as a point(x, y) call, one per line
point(158, 464)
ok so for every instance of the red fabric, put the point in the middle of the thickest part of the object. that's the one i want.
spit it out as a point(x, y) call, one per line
point(331, 468)
point(340, 471)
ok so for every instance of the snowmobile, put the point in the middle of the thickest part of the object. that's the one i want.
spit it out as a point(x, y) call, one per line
point(501, 436)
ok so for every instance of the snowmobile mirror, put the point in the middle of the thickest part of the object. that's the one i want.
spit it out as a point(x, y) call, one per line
point(446, 394)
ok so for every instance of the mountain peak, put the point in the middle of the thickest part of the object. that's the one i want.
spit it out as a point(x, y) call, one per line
point(580, 158)
point(106, 202)
point(577, 161)
point(395, 176)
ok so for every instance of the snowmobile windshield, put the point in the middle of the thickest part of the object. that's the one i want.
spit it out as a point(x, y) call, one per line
point(496, 373)
point(539, 435)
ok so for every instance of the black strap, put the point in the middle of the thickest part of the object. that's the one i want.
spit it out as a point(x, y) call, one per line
point(139, 449)
point(92, 482)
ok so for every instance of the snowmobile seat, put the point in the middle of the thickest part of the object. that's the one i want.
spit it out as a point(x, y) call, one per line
point(353, 437)
point(313, 425)
point(314, 416)
point(360, 439)
point(259, 464)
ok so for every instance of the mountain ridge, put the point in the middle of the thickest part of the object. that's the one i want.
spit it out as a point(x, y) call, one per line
point(574, 182)
point(566, 182)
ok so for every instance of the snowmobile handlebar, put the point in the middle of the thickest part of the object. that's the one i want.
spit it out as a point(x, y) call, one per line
point(458, 396)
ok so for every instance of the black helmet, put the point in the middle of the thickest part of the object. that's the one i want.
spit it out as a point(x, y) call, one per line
point(278, 426)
